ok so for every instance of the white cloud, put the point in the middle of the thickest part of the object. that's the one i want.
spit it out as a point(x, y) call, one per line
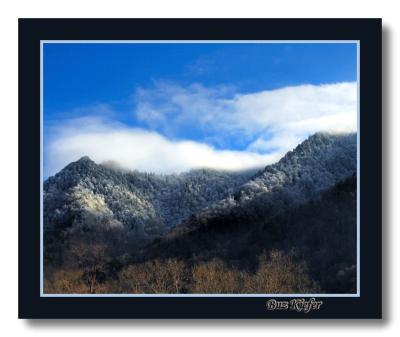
point(268, 123)
point(139, 149)
point(277, 118)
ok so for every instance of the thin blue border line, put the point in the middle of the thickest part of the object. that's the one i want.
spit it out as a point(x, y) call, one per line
point(358, 171)
point(41, 170)
point(198, 41)
point(42, 42)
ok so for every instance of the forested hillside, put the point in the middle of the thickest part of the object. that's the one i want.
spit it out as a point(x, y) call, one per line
point(289, 227)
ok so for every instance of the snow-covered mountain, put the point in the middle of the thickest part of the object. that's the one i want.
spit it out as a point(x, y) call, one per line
point(91, 195)
point(100, 221)
point(314, 165)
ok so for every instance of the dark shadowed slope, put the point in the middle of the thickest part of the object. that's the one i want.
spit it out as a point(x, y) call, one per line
point(320, 233)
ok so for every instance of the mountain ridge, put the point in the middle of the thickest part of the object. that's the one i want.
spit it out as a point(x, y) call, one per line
point(135, 198)
point(129, 193)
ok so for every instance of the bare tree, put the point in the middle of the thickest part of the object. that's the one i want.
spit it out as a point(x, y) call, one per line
point(92, 260)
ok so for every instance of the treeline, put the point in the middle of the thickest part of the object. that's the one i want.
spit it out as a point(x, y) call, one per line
point(277, 272)
point(307, 249)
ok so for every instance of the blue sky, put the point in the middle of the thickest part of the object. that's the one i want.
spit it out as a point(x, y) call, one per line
point(230, 100)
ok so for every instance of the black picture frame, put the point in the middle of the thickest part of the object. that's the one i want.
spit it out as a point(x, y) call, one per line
point(31, 31)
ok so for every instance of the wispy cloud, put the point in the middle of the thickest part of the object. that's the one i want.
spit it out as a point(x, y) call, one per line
point(274, 119)
point(204, 64)
point(169, 106)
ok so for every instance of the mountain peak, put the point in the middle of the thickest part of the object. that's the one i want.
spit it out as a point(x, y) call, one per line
point(330, 135)
point(83, 162)
point(316, 164)
point(85, 159)
point(76, 170)
point(320, 140)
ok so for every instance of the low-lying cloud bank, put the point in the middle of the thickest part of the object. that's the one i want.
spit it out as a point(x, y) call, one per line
point(269, 123)
point(141, 150)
